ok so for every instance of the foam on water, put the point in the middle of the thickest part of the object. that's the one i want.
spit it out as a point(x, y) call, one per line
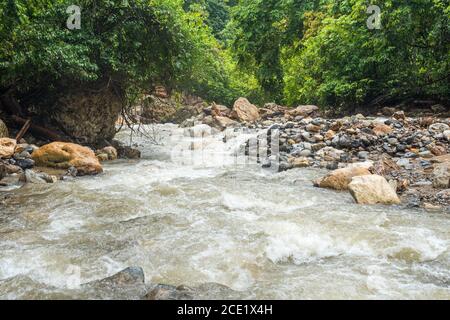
point(205, 219)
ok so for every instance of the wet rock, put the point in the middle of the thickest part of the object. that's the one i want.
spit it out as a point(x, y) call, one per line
point(127, 152)
point(109, 151)
point(7, 147)
point(3, 130)
point(339, 179)
point(63, 155)
point(30, 176)
point(167, 292)
point(126, 284)
point(244, 111)
point(372, 189)
point(102, 157)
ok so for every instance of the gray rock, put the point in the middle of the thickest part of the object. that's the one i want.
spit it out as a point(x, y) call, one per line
point(25, 163)
point(363, 155)
point(305, 153)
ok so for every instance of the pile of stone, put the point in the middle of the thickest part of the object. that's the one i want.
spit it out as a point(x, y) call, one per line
point(411, 154)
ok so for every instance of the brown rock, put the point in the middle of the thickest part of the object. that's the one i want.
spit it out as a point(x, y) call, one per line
point(63, 155)
point(380, 129)
point(301, 162)
point(437, 150)
point(109, 151)
point(304, 111)
point(385, 166)
point(336, 126)
point(329, 135)
point(7, 147)
point(340, 178)
point(224, 122)
point(426, 121)
point(372, 189)
point(244, 111)
point(218, 110)
point(312, 128)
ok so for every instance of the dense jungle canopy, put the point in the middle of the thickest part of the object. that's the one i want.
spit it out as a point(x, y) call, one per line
point(288, 51)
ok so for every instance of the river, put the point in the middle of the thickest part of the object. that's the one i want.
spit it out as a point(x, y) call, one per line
point(265, 235)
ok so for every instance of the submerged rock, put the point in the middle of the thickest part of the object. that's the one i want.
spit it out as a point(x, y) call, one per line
point(204, 291)
point(372, 189)
point(126, 284)
point(62, 155)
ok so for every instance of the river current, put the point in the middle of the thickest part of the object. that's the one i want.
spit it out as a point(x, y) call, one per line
point(204, 218)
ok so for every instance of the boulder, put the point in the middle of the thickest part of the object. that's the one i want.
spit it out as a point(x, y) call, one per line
point(372, 189)
point(304, 111)
point(339, 179)
point(244, 111)
point(441, 176)
point(3, 130)
point(381, 129)
point(62, 155)
point(7, 147)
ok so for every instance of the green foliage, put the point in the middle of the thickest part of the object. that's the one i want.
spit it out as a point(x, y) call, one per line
point(341, 63)
point(323, 52)
point(131, 45)
point(287, 51)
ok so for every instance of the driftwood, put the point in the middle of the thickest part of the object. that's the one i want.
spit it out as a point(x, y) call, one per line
point(24, 130)
point(38, 130)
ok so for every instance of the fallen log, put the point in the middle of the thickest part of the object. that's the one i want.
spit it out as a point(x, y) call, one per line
point(38, 130)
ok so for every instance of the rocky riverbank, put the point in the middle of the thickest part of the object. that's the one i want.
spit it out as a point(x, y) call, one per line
point(409, 155)
point(22, 163)
point(407, 158)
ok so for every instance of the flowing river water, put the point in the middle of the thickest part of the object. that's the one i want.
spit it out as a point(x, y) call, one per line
point(265, 235)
